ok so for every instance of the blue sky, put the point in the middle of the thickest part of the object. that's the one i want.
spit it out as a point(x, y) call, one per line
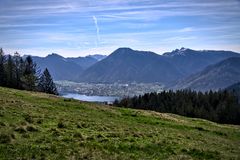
point(74, 28)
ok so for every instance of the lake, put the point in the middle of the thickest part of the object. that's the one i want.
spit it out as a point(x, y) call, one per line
point(81, 97)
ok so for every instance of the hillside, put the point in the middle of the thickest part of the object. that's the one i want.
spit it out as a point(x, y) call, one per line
point(190, 61)
point(214, 77)
point(127, 65)
point(59, 67)
point(41, 126)
point(83, 62)
point(66, 68)
point(235, 89)
point(86, 62)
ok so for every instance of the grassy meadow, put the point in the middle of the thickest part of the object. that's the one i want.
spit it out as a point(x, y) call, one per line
point(41, 126)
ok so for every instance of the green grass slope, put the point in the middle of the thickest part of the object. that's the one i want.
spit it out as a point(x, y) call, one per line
point(41, 126)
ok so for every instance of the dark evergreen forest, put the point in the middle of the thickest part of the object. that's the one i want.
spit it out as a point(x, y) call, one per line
point(220, 106)
point(22, 73)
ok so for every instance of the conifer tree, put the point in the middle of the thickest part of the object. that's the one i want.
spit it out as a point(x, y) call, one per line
point(29, 77)
point(9, 69)
point(46, 83)
point(18, 72)
point(2, 71)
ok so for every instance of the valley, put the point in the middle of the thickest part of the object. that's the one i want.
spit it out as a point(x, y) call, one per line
point(108, 89)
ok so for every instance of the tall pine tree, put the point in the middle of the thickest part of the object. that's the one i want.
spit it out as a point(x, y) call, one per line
point(29, 77)
point(18, 71)
point(9, 69)
point(46, 83)
point(2, 71)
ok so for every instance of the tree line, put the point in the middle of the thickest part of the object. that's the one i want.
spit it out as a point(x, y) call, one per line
point(22, 73)
point(219, 106)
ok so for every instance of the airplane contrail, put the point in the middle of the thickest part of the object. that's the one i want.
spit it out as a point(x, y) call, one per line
point(97, 28)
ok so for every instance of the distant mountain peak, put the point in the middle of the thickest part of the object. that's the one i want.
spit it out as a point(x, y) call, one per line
point(55, 55)
point(123, 49)
point(182, 51)
point(131, 52)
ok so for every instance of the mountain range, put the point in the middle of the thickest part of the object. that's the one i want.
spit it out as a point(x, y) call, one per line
point(214, 77)
point(66, 68)
point(191, 61)
point(180, 68)
point(126, 65)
